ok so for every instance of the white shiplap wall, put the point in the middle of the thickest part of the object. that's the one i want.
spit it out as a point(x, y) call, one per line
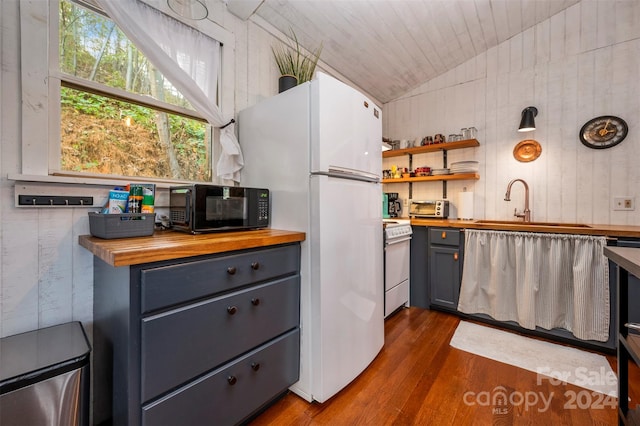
point(46, 278)
point(581, 63)
point(580, 66)
point(392, 46)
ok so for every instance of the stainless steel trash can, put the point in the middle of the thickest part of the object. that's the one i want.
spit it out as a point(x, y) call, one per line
point(44, 377)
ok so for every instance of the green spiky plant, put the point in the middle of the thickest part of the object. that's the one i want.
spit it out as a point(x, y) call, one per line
point(293, 61)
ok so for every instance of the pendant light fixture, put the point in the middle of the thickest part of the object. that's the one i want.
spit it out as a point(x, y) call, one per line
point(527, 123)
point(190, 9)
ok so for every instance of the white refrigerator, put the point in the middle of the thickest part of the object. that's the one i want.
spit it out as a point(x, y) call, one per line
point(317, 148)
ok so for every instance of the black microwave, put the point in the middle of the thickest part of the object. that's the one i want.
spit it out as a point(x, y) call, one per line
point(201, 208)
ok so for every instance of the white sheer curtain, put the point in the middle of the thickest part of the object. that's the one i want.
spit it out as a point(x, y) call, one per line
point(545, 280)
point(189, 59)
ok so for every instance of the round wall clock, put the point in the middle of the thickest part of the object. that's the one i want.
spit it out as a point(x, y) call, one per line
point(603, 132)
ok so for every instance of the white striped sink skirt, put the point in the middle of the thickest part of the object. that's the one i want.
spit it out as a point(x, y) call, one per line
point(534, 279)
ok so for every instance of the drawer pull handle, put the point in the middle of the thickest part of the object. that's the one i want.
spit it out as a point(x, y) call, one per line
point(455, 256)
point(232, 380)
point(255, 266)
point(255, 301)
point(444, 235)
point(231, 270)
point(232, 310)
point(255, 366)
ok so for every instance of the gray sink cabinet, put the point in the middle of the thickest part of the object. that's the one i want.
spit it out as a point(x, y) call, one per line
point(445, 267)
point(436, 267)
point(200, 340)
point(436, 277)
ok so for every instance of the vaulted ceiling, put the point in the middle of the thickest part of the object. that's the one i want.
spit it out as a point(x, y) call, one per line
point(389, 47)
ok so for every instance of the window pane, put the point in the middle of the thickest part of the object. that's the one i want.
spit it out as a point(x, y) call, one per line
point(104, 135)
point(107, 136)
point(92, 47)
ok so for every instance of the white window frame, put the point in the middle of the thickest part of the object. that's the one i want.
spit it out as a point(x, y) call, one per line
point(41, 81)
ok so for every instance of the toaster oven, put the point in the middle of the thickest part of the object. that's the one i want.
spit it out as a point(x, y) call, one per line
point(429, 208)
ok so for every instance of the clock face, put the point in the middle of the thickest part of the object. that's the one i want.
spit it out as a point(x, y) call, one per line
point(603, 132)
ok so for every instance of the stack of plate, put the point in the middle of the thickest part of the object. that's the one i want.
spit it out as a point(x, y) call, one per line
point(464, 167)
point(436, 172)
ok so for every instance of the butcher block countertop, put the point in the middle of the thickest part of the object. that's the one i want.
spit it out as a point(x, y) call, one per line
point(168, 245)
point(559, 228)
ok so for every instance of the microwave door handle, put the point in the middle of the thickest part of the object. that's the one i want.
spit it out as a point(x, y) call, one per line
point(187, 214)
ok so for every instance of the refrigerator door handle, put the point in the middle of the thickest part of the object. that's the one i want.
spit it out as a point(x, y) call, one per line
point(349, 174)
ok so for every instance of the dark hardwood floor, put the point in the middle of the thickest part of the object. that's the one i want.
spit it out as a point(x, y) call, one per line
point(418, 379)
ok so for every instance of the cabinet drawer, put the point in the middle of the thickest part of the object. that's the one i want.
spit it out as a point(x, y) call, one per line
point(170, 285)
point(228, 395)
point(444, 236)
point(183, 343)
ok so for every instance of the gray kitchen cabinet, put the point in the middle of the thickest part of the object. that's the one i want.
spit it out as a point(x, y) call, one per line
point(201, 340)
point(419, 291)
point(445, 267)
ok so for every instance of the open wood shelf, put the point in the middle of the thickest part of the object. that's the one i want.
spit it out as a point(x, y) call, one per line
point(632, 343)
point(446, 146)
point(461, 176)
point(440, 147)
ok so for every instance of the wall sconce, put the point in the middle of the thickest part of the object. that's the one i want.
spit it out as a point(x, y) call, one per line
point(527, 123)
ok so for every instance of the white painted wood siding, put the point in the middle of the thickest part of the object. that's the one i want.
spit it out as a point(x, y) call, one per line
point(581, 63)
point(46, 277)
point(404, 43)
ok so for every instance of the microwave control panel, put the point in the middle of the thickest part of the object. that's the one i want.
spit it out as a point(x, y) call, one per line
point(263, 206)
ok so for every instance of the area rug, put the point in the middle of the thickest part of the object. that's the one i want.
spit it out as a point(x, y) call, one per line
point(555, 362)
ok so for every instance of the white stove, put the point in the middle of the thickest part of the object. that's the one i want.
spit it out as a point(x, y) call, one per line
point(396, 228)
point(397, 250)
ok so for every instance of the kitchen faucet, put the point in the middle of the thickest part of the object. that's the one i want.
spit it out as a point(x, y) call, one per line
point(526, 214)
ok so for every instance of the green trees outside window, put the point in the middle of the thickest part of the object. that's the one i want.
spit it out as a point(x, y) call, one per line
point(119, 115)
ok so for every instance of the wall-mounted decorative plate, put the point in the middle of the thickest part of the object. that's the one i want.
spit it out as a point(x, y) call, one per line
point(527, 150)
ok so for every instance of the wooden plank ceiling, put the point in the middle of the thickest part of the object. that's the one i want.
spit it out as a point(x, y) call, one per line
point(389, 47)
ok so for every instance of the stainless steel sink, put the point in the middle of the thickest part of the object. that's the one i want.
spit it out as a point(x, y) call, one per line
point(521, 223)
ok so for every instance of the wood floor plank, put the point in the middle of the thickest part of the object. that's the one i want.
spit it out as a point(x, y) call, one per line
point(419, 379)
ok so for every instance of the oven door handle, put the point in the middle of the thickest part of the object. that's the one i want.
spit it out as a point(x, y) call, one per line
point(398, 241)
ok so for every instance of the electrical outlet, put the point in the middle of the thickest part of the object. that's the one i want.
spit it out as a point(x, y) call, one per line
point(624, 203)
point(405, 202)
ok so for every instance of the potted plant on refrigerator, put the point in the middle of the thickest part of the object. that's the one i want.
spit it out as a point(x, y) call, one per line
point(295, 66)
